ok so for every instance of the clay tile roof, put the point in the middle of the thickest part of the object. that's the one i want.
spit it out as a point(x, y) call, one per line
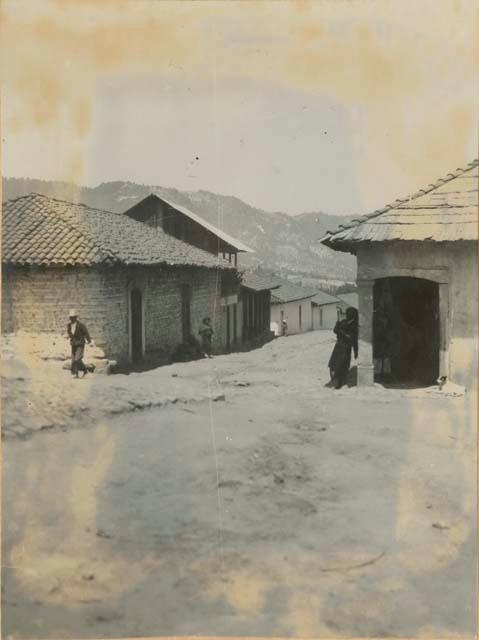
point(290, 292)
point(40, 230)
point(322, 298)
point(259, 281)
point(445, 211)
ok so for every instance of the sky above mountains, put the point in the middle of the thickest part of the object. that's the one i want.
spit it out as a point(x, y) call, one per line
point(291, 106)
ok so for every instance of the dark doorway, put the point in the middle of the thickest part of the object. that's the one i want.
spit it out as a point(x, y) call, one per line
point(235, 324)
point(136, 325)
point(228, 327)
point(406, 331)
point(186, 312)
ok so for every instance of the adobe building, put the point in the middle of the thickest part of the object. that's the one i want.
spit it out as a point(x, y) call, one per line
point(181, 223)
point(140, 291)
point(256, 288)
point(291, 303)
point(417, 284)
point(247, 315)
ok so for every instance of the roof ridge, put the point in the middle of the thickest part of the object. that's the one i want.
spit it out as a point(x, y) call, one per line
point(62, 201)
point(432, 186)
point(87, 236)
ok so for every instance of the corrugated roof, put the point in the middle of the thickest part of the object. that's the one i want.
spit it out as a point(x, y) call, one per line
point(40, 230)
point(233, 242)
point(322, 298)
point(259, 281)
point(445, 211)
point(290, 292)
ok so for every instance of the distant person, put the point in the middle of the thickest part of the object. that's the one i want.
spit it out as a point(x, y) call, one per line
point(346, 330)
point(206, 334)
point(78, 334)
point(284, 328)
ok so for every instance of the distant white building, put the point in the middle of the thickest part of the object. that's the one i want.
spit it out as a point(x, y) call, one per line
point(325, 310)
point(292, 303)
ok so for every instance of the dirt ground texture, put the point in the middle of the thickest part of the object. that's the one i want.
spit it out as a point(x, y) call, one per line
point(239, 496)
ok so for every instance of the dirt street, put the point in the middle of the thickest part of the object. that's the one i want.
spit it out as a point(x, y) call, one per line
point(282, 508)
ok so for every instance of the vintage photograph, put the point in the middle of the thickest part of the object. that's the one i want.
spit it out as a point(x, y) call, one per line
point(239, 318)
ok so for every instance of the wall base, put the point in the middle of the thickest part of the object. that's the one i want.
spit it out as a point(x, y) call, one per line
point(365, 375)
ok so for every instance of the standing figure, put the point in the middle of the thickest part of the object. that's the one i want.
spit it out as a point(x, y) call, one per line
point(284, 328)
point(206, 334)
point(78, 334)
point(346, 331)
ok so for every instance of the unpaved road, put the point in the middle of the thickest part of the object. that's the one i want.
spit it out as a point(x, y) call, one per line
point(287, 509)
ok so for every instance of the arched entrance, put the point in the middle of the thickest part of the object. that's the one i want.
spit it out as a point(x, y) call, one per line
point(406, 330)
point(136, 319)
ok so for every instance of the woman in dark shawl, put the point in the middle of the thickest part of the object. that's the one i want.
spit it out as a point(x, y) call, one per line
point(346, 331)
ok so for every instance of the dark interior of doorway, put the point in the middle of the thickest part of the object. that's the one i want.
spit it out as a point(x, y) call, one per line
point(406, 331)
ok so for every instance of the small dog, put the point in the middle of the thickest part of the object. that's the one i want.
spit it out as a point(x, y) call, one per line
point(441, 381)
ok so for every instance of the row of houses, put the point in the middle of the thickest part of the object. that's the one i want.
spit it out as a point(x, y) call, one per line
point(143, 280)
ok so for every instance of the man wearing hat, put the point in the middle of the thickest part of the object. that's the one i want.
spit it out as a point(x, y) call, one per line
point(78, 334)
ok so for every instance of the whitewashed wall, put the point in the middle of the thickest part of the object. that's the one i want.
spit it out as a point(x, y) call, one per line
point(291, 315)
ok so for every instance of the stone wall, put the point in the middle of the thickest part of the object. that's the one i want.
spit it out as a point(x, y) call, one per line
point(38, 300)
point(162, 291)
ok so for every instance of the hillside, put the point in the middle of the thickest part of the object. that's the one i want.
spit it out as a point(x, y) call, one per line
point(286, 244)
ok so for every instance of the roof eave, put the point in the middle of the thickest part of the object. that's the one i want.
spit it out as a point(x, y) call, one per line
point(340, 245)
point(352, 246)
point(228, 248)
point(259, 289)
point(325, 304)
point(292, 299)
point(330, 241)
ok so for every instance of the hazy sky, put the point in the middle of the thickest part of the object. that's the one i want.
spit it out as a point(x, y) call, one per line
point(295, 106)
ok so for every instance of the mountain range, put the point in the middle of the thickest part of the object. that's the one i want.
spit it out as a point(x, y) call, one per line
point(285, 244)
